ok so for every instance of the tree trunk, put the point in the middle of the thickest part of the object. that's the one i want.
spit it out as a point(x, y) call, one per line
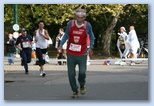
point(108, 35)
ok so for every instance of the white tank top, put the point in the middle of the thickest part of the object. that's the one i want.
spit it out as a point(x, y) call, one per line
point(41, 41)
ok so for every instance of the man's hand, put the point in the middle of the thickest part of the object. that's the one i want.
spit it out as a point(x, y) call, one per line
point(120, 34)
point(30, 46)
point(19, 48)
point(57, 39)
point(35, 40)
point(40, 33)
point(90, 53)
point(59, 49)
point(8, 42)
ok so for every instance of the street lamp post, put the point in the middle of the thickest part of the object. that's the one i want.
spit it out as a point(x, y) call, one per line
point(15, 14)
point(16, 26)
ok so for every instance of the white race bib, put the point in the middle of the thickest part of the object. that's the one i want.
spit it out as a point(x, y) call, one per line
point(75, 47)
point(25, 44)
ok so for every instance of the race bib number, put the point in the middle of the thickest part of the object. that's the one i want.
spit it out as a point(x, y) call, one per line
point(75, 47)
point(25, 44)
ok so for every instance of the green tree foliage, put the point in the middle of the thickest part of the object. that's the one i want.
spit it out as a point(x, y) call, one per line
point(106, 19)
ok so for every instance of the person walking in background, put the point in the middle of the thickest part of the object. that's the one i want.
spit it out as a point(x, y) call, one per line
point(76, 32)
point(47, 58)
point(62, 54)
point(41, 39)
point(10, 49)
point(134, 44)
point(122, 38)
point(24, 44)
point(33, 50)
point(121, 45)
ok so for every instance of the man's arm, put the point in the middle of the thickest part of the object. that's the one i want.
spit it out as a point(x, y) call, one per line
point(66, 35)
point(35, 39)
point(17, 44)
point(46, 36)
point(92, 37)
point(31, 43)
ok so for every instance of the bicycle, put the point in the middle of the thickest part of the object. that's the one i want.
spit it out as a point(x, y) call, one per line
point(142, 52)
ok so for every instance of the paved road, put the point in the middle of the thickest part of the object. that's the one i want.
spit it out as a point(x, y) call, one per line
point(104, 82)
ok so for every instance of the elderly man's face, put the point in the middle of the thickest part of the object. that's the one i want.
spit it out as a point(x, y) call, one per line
point(80, 19)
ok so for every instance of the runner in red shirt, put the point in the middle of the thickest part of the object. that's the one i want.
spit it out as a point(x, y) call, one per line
point(77, 32)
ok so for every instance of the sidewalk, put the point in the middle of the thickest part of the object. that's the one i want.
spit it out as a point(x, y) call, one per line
point(54, 66)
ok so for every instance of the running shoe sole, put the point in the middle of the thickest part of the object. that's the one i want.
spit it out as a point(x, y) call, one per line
point(75, 96)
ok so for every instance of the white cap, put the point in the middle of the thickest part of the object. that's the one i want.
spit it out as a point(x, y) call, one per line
point(123, 28)
point(80, 12)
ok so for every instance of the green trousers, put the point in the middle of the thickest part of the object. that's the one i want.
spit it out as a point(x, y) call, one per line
point(72, 61)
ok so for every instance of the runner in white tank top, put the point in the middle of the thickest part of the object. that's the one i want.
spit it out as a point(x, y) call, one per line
point(41, 39)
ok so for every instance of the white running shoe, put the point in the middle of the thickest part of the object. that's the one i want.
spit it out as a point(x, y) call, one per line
point(123, 63)
point(132, 64)
point(118, 62)
point(41, 74)
point(88, 63)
